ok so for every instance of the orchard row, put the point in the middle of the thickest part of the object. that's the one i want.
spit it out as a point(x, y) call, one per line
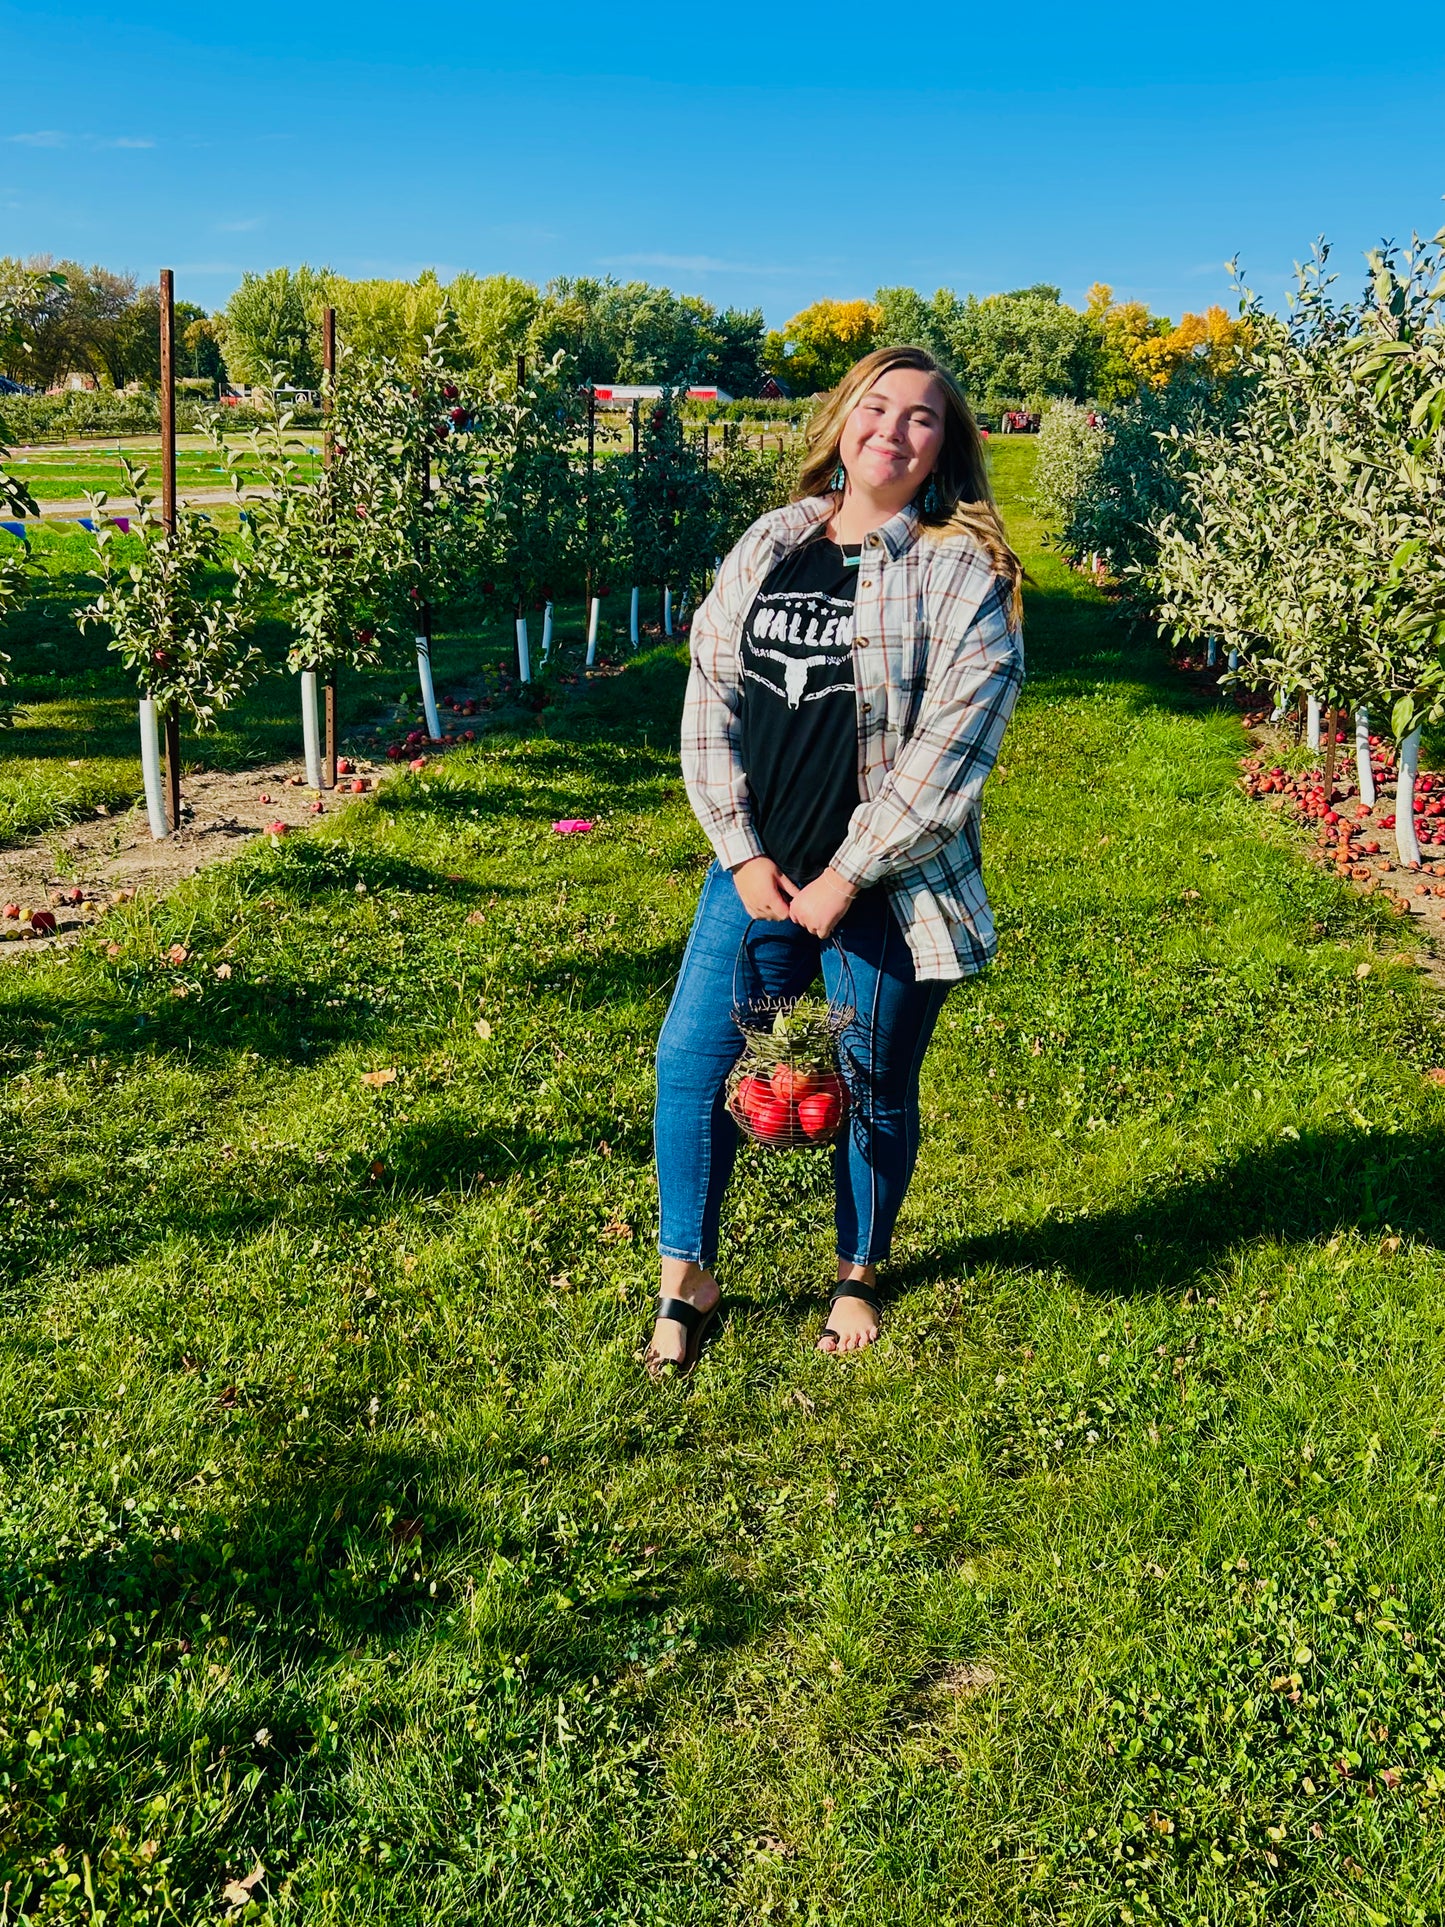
point(434, 488)
point(1292, 517)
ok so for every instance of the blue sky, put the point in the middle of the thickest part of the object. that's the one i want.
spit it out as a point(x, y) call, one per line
point(750, 154)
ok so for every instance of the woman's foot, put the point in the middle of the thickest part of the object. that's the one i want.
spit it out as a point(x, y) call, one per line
point(671, 1342)
point(852, 1322)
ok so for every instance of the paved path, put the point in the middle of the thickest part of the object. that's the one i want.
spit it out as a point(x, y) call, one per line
point(72, 511)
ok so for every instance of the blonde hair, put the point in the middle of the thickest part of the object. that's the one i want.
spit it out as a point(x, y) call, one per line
point(960, 478)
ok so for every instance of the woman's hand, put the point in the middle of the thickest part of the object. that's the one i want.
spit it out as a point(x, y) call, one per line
point(821, 907)
point(764, 890)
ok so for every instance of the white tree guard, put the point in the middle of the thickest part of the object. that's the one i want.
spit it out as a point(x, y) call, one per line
point(150, 762)
point(547, 633)
point(667, 612)
point(524, 651)
point(1234, 659)
point(1312, 721)
point(636, 599)
point(428, 688)
point(1405, 843)
point(1364, 775)
point(593, 616)
point(311, 728)
point(1211, 651)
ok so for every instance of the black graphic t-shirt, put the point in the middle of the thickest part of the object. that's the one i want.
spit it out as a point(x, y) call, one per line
point(799, 716)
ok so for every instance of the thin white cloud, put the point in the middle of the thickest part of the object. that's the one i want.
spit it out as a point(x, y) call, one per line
point(50, 137)
point(241, 227)
point(689, 264)
point(130, 140)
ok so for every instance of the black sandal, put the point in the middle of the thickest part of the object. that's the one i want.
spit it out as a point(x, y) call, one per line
point(853, 1288)
point(697, 1324)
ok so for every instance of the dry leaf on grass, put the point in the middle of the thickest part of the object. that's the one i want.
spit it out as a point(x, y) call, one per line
point(968, 1677)
point(378, 1078)
point(237, 1893)
point(482, 1028)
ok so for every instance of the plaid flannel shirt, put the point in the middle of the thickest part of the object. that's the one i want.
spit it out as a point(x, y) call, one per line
point(937, 668)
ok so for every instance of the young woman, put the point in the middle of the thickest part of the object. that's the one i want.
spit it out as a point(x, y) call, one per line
point(853, 670)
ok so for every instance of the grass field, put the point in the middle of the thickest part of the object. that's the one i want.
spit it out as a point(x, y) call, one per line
point(341, 1536)
point(65, 472)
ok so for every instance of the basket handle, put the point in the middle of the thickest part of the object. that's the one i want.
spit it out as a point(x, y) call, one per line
point(850, 999)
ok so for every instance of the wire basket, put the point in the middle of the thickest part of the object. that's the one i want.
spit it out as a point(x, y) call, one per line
point(787, 1090)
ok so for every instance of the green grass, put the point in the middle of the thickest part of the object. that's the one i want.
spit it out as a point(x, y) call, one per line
point(340, 1530)
point(66, 472)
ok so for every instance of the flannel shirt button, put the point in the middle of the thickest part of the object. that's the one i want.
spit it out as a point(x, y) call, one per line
point(862, 641)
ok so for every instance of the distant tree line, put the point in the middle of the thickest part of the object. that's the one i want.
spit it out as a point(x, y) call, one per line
point(1018, 349)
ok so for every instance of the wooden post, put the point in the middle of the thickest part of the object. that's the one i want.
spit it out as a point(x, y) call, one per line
point(168, 508)
point(328, 450)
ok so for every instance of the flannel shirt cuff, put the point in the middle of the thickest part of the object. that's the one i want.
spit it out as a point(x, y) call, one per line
point(736, 843)
point(856, 868)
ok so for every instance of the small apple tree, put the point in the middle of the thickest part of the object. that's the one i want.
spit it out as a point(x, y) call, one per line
point(335, 545)
point(433, 413)
point(669, 512)
point(533, 528)
point(173, 620)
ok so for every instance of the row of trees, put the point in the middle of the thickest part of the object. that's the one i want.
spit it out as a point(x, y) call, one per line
point(610, 331)
point(1010, 350)
point(62, 319)
point(1294, 515)
point(437, 487)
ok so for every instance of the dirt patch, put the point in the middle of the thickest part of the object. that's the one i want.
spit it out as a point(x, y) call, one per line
point(221, 812)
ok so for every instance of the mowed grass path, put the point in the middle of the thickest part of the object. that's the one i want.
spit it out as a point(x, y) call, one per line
point(340, 1534)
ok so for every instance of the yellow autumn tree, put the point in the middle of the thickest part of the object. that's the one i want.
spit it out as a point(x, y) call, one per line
point(1138, 348)
point(820, 345)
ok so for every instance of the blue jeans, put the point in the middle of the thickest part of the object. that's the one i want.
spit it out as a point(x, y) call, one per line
point(881, 1052)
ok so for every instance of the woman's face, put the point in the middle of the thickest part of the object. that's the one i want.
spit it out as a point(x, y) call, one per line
point(893, 437)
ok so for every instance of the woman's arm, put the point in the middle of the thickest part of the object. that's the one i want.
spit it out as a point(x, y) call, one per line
point(712, 764)
point(972, 684)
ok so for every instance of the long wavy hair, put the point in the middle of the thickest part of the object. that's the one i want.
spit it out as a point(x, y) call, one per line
point(960, 476)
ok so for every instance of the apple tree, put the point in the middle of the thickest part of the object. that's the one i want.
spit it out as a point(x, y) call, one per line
point(533, 529)
point(178, 618)
point(335, 543)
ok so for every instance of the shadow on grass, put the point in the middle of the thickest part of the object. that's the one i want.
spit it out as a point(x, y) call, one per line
point(238, 1635)
point(1294, 1192)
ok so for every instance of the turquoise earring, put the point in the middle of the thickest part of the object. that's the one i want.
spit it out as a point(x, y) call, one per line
point(840, 479)
point(931, 502)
